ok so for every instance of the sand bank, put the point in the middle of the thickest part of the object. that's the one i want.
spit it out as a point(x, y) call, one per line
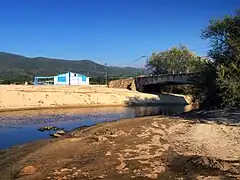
point(141, 148)
point(18, 97)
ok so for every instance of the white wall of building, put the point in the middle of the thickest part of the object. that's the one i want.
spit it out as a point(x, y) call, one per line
point(71, 78)
point(87, 81)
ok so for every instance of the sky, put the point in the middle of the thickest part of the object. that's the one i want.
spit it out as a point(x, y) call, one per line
point(116, 32)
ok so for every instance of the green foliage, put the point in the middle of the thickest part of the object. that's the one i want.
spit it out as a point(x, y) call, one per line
point(229, 84)
point(102, 79)
point(20, 68)
point(176, 60)
point(205, 89)
point(218, 83)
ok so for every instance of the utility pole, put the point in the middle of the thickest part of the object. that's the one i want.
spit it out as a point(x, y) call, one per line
point(106, 74)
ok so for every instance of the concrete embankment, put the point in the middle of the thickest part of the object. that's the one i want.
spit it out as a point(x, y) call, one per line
point(14, 97)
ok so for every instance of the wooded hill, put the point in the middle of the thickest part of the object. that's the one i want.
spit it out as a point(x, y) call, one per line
point(16, 67)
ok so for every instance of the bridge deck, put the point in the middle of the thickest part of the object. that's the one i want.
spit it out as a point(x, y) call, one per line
point(184, 78)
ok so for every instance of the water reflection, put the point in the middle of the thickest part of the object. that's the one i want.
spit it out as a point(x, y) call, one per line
point(163, 110)
point(20, 127)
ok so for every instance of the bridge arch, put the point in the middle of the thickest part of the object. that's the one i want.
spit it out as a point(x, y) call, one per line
point(165, 79)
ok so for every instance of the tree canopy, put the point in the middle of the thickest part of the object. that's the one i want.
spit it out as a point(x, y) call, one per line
point(224, 36)
point(216, 81)
point(178, 59)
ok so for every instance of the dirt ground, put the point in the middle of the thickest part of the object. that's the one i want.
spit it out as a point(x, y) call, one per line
point(142, 148)
point(20, 97)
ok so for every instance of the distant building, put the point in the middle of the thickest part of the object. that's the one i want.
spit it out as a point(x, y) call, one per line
point(68, 78)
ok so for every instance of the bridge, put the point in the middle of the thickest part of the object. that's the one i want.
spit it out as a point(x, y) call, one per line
point(141, 82)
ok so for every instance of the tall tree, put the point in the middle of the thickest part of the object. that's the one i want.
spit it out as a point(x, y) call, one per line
point(224, 36)
point(175, 60)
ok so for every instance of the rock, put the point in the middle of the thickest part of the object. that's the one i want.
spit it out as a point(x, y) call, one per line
point(64, 170)
point(49, 128)
point(28, 170)
point(102, 138)
point(46, 128)
point(55, 135)
point(113, 135)
point(121, 132)
point(128, 83)
point(108, 153)
point(58, 133)
point(61, 132)
point(75, 174)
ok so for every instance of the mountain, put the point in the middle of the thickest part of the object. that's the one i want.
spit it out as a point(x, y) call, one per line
point(14, 66)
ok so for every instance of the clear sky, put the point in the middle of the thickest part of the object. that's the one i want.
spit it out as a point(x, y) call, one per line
point(116, 32)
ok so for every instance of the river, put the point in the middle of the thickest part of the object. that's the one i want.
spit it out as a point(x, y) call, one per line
point(22, 126)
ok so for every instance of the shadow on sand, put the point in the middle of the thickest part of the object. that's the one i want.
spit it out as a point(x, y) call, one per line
point(186, 110)
point(159, 100)
point(193, 166)
point(219, 116)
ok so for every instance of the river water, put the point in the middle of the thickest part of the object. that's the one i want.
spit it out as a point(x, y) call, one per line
point(21, 127)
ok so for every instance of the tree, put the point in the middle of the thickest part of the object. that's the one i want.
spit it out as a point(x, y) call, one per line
point(224, 36)
point(175, 60)
point(205, 89)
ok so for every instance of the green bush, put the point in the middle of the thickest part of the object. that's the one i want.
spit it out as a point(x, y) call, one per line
point(218, 83)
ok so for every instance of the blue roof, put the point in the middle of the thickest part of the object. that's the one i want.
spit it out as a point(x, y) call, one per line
point(43, 77)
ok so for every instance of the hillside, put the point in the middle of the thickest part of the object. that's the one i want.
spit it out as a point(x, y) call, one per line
point(14, 66)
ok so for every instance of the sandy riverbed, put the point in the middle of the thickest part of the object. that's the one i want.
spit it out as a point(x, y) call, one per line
point(142, 148)
point(14, 97)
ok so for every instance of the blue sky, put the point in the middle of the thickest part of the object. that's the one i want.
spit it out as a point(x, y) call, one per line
point(116, 32)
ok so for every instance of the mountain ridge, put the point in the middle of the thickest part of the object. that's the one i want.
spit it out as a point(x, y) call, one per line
point(14, 66)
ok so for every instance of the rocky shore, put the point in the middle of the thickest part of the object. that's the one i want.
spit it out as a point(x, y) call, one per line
point(159, 147)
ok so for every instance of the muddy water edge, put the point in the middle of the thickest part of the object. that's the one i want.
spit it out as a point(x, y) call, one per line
point(19, 127)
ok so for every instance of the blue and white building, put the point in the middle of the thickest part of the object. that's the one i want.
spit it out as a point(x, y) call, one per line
point(68, 78)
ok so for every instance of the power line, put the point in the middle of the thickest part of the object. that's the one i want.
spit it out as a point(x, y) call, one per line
point(200, 49)
point(138, 59)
